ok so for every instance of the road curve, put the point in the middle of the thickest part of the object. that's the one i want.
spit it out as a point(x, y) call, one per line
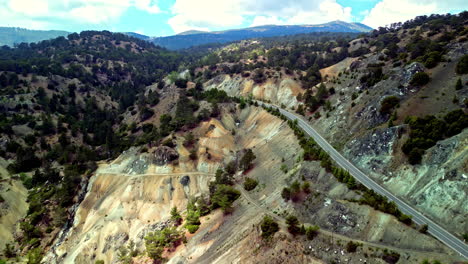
point(434, 229)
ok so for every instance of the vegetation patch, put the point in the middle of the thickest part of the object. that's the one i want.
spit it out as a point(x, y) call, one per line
point(426, 131)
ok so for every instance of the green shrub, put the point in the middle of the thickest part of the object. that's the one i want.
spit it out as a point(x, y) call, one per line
point(250, 184)
point(462, 65)
point(293, 224)
point(247, 159)
point(351, 246)
point(388, 104)
point(269, 227)
point(423, 229)
point(192, 228)
point(420, 79)
point(311, 232)
point(223, 197)
point(157, 241)
point(175, 216)
point(432, 59)
point(306, 187)
point(458, 85)
point(284, 168)
point(34, 256)
point(286, 193)
point(426, 131)
point(415, 156)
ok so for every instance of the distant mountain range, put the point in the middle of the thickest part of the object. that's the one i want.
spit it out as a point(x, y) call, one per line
point(14, 35)
point(194, 38)
point(10, 35)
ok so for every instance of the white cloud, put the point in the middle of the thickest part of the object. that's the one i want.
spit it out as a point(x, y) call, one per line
point(37, 14)
point(386, 12)
point(266, 20)
point(212, 14)
point(204, 14)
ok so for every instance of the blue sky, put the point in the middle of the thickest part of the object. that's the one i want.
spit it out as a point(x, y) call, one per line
point(167, 17)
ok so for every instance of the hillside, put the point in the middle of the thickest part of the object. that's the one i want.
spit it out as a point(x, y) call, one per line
point(116, 150)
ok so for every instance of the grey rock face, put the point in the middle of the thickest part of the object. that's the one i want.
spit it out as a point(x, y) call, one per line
point(409, 71)
point(164, 155)
point(185, 180)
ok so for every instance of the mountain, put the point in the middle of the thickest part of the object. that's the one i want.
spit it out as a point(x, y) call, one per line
point(194, 38)
point(15, 35)
point(192, 32)
point(138, 35)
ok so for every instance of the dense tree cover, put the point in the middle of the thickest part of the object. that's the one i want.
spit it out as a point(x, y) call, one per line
point(426, 131)
point(120, 71)
point(307, 52)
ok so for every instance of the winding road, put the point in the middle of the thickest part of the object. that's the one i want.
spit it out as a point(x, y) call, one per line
point(434, 229)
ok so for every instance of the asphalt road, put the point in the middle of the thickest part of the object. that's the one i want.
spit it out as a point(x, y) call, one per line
point(434, 229)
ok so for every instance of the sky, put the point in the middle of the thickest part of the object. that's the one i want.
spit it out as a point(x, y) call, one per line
point(169, 17)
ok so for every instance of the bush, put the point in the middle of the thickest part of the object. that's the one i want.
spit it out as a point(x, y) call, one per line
point(246, 160)
point(286, 193)
point(192, 228)
point(223, 197)
point(146, 113)
point(351, 247)
point(458, 85)
point(306, 187)
point(157, 241)
point(388, 104)
point(420, 79)
point(269, 227)
point(423, 229)
point(259, 76)
point(181, 83)
point(415, 156)
point(432, 59)
point(311, 232)
point(462, 65)
point(293, 224)
point(250, 184)
point(175, 216)
point(391, 257)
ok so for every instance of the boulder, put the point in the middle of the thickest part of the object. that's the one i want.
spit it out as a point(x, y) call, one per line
point(164, 155)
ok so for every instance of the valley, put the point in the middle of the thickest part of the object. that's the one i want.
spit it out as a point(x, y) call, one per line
point(326, 147)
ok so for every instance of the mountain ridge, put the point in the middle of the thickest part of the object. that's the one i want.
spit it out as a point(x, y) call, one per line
point(16, 35)
point(181, 41)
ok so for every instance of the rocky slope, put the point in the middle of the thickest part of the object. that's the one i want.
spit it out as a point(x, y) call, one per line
point(13, 205)
point(280, 89)
point(132, 195)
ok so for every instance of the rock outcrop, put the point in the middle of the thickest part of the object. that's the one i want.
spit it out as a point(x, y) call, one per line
point(164, 155)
